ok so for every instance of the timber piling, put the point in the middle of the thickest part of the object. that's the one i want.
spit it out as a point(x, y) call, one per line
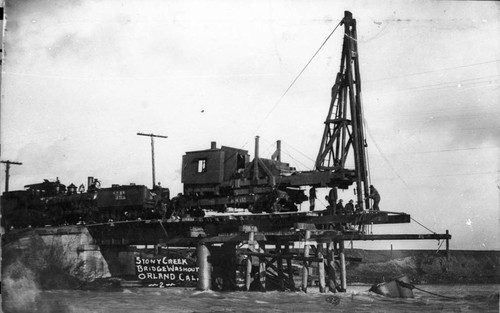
point(205, 267)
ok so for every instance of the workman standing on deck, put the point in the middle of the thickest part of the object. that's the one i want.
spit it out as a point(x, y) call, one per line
point(376, 198)
point(312, 198)
point(339, 207)
point(332, 197)
point(329, 209)
point(349, 208)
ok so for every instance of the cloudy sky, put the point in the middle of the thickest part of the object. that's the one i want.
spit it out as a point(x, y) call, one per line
point(81, 78)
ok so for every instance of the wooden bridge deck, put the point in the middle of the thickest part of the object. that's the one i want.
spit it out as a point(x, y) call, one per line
point(273, 227)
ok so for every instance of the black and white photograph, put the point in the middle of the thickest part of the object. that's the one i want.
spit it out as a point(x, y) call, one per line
point(250, 156)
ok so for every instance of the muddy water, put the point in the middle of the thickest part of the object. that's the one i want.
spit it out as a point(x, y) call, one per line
point(466, 298)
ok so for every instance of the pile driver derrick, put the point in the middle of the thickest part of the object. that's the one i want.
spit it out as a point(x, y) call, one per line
point(344, 123)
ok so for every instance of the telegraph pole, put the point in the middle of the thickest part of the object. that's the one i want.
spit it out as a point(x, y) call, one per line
point(152, 151)
point(7, 169)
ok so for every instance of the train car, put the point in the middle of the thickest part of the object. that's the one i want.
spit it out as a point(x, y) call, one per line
point(54, 204)
point(127, 202)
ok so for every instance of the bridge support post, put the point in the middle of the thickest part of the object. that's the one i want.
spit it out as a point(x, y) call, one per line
point(321, 268)
point(343, 274)
point(330, 269)
point(305, 268)
point(289, 267)
point(279, 263)
point(205, 268)
point(262, 270)
point(447, 245)
point(248, 278)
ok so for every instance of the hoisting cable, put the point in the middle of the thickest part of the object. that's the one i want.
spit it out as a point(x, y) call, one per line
point(382, 154)
point(293, 82)
point(440, 243)
point(310, 60)
point(413, 220)
point(300, 152)
point(294, 159)
point(422, 225)
point(411, 286)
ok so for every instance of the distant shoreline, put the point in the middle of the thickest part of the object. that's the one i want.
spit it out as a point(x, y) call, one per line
point(424, 266)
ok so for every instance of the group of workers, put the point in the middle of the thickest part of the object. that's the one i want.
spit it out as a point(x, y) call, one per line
point(336, 206)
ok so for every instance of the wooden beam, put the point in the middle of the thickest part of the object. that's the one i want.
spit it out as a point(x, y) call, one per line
point(281, 255)
point(357, 236)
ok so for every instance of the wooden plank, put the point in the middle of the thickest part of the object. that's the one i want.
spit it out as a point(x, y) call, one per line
point(281, 255)
point(395, 237)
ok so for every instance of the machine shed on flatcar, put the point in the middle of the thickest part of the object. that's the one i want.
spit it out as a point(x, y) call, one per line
point(205, 170)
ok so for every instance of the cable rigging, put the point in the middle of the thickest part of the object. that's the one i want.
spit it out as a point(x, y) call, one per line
point(293, 82)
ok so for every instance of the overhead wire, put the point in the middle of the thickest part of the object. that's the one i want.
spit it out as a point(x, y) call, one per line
point(433, 71)
point(458, 83)
point(270, 148)
point(440, 86)
point(297, 161)
point(300, 152)
point(446, 150)
point(382, 154)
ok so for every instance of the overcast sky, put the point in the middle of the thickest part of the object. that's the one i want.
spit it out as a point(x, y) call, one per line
point(81, 78)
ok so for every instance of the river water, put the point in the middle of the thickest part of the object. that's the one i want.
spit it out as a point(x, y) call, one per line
point(466, 298)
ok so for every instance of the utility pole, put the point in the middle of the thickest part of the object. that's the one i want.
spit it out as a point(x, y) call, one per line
point(152, 151)
point(7, 169)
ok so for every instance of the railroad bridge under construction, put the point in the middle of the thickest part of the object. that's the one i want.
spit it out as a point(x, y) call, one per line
point(265, 248)
point(271, 246)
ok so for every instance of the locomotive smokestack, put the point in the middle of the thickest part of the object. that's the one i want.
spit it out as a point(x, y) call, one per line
point(90, 182)
point(278, 150)
point(256, 147)
point(256, 159)
point(213, 145)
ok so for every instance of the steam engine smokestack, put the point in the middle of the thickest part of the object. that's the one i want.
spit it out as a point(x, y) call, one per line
point(256, 159)
point(278, 150)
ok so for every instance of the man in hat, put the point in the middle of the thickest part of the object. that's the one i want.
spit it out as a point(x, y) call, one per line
point(376, 198)
point(349, 207)
point(312, 198)
point(339, 208)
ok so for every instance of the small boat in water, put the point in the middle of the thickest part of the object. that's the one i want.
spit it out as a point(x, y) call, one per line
point(396, 288)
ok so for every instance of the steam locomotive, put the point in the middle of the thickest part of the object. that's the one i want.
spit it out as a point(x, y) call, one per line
point(214, 179)
point(53, 203)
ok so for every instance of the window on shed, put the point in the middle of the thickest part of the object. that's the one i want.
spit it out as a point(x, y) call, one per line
point(202, 165)
point(240, 161)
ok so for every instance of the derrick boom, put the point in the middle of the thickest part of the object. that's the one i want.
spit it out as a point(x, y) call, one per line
point(344, 122)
